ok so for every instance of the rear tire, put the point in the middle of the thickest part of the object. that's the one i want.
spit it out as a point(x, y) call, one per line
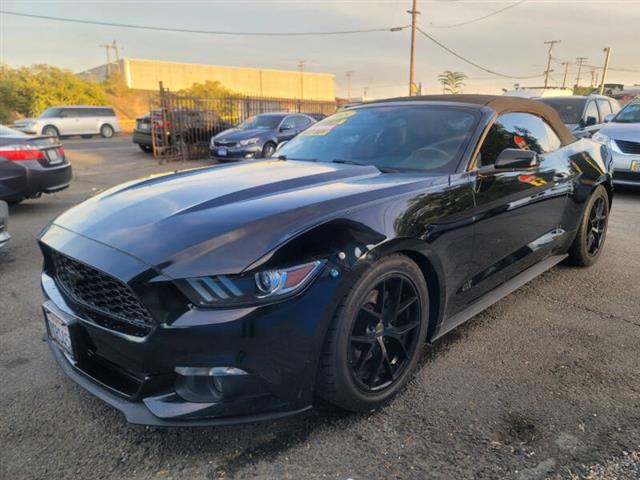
point(367, 359)
point(589, 242)
point(145, 148)
point(106, 131)
point(50, 131)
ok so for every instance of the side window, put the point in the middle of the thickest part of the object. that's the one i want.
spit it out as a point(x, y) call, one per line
point(615, 106)
point(591, 111)
point(515, 130)
point(301, 122)
point(605, 108)
point(288, 122)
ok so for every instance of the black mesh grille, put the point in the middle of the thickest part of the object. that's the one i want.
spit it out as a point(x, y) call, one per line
point(117, 306)
point(628, 147)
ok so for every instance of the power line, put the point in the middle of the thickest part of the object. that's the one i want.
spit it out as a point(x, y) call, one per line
point(208, 32)
point(495, 12)
point(455, 54)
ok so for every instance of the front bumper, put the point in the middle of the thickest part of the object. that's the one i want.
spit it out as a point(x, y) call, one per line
point(30, 129)
point(234, 154)
point(623, 174)
point(278, 346)
point(30, 178)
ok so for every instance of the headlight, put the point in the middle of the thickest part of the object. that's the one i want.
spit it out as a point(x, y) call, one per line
point(251, 289)
point(248, 141)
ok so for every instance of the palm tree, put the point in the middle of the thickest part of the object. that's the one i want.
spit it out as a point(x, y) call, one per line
point(452, 82)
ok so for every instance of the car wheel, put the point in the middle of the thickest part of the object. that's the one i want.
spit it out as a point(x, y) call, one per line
point(268, 150)
point(50, 131)
point(145, 148)
point(589, 242)
point(376, 337)
point(106, 131)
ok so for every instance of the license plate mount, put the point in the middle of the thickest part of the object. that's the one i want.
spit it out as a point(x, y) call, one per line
point(54, 156)
point(222, 152)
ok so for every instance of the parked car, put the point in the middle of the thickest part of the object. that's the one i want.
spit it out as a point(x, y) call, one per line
point(4, 223)
point(622, 136)
point(583, 115)
point(243, 292)
point(259, 136)
point(187, 125)
point(31, 165)
point(76, 120)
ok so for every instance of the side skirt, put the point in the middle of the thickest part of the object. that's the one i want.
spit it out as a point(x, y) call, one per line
point(496, 294)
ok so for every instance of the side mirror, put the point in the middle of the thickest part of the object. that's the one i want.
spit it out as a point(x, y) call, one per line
point(591, 121)
point(514, 158)
point(608, 118)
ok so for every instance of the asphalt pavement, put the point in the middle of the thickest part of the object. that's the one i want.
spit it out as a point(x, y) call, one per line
point(544, 384)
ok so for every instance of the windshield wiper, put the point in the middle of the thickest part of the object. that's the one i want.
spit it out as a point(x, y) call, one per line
point(350, 162)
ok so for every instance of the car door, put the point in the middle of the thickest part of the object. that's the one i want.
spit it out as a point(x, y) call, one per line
point(287, 129)
point(65, 122)
point(519, 211)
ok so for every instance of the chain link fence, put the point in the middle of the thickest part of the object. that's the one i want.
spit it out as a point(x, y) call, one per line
point(182, 126)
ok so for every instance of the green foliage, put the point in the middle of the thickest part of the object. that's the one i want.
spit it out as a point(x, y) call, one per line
point(28, 91)
point(452, 82)
point(584, 90)
point(206, 89)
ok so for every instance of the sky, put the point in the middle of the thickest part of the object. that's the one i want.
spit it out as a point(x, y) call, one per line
point(510, 42)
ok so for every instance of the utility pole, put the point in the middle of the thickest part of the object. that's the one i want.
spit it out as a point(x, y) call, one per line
point(607, 50)
point(414, 12)
point(551, 43)
point(301, 68)
point(107, 47)
point(349, 74)
point(580, 60)
point(566, 70)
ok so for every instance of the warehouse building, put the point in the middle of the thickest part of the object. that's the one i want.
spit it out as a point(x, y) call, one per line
point(142, 74)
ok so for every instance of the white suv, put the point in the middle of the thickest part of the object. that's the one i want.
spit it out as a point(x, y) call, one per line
point(59, 121)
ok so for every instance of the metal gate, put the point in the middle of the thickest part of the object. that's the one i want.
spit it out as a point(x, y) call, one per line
point(182, 126)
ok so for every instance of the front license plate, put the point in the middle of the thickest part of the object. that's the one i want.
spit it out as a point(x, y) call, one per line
point(635, 166)
point(59, 332)
point(222, 152)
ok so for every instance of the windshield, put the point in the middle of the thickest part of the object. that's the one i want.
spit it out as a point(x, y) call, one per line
point(629, 114)
point(569, 109)
point(261, 121)
point(51, 113)
point(420, 138)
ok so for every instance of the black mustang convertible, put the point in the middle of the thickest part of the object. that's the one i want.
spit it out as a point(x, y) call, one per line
point(244, 292)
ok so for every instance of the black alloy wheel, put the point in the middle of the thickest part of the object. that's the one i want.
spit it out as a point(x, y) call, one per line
point(590, 237)
point(597, 227)
point(385, 333)
point(378, 331)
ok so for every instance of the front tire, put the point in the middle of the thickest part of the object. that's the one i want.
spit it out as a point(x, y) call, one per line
point(106, 131)
point(268, 150)
point(376, 337)
point(589, 242)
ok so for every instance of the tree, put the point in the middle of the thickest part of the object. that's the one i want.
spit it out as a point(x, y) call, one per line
point(28, 91)
point(452, 82)
point(206, 89)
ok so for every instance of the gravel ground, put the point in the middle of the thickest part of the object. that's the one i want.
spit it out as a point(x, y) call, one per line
point(544, 384)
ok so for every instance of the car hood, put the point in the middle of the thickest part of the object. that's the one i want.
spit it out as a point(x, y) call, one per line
point(222, 219)
point(622, 131)
point(236, 134)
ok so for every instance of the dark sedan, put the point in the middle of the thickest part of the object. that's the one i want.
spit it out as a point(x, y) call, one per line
point(31, 165)
point(259, 136)
point(244, 292)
